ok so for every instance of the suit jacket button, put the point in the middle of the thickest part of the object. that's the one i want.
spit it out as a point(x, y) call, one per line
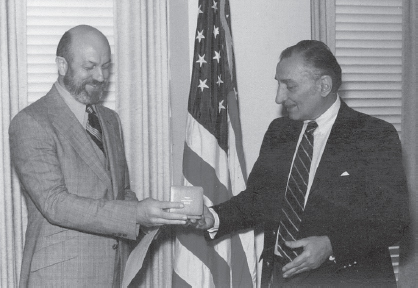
point(115, 246)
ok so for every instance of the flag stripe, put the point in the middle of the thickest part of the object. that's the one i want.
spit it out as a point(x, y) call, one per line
point(241, 276)
point(179, 282)
point(196, 272)
point(204, 175)
point(204, 143)
point(196, 243)
point(235, 124)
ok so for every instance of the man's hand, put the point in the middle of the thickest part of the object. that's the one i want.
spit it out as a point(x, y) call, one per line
point(151, 212)
point(204, 223)
point(316, 250)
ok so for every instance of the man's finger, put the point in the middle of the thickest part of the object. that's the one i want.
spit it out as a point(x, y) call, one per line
point(168, 204)
point(164, 221)
point(295, 271)
point(297, 262)
point(172, 216)
point(295, 244)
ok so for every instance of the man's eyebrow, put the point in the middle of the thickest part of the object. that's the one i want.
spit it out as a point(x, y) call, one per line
point(95, 63)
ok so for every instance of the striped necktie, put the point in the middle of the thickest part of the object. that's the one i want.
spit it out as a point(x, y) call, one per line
point(93, 127)
point(296, 189)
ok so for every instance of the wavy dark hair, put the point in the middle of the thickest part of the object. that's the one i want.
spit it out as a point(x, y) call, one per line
point(320, 57)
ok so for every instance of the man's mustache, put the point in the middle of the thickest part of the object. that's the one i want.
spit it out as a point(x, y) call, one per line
point(98, 84)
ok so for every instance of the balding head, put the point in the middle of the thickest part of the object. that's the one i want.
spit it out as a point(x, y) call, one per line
point(79, 34)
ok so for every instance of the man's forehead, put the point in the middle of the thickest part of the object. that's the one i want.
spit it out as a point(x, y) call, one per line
point(292, 67)
point(293, 60)
point(91, 52)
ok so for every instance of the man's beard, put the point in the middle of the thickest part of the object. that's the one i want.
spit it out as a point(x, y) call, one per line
point(79, 92)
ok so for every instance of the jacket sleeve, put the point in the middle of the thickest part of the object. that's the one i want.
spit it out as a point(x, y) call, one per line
point(258, 203)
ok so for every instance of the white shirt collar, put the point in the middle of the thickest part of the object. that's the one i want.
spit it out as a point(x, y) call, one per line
point(327, 119)
point(79, 109)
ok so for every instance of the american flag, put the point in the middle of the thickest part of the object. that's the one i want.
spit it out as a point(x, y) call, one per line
point(213, 157)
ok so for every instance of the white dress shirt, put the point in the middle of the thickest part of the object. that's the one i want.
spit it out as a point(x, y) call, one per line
point(321, 134)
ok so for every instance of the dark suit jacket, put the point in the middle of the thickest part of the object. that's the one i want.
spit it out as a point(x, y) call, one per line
point(75, 209)
point(362, 213)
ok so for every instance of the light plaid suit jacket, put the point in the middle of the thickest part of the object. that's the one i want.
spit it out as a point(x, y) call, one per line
point(76, 207)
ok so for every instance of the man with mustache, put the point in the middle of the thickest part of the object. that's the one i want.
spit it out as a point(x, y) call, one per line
point(328, 186)
point(68, 152)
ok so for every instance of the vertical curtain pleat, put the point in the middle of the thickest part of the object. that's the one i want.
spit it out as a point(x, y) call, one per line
point(13, 216)
point(408, 276)
point(323, 22)
point(142, 93)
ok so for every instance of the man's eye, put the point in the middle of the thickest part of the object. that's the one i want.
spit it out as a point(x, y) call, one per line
point(290, 88)
point(88, 68)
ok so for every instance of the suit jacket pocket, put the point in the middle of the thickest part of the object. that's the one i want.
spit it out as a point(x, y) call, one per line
point(353, 191)
point(341, 191)
point(59, 247)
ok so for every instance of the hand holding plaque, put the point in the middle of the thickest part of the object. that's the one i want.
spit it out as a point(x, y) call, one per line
point(191, 197)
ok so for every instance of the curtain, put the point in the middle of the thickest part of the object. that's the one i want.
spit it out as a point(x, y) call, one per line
point(323, 22)
point(142, 93)
point(13, 217)
point(408, 276)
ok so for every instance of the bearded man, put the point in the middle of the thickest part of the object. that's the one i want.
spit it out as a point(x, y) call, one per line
point(69, 156)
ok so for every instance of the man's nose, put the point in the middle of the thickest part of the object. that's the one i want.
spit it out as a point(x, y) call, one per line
point(281, 95)
point(98, 74)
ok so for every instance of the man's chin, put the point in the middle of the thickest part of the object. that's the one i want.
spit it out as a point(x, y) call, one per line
point(89, 98)
point(293, 116)
point(96, 98)
point(292, 113)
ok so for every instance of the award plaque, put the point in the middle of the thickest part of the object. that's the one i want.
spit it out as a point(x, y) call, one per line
point(191, 197)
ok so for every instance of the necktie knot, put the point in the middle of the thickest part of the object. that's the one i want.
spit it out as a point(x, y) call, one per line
point(89, 109)
point(312, 125)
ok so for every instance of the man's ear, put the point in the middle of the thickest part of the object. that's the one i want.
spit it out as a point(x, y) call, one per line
point(62, 65)
point(326, 85)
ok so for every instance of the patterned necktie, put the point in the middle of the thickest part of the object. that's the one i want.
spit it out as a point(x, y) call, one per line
point(93, 127)
point(296, 189)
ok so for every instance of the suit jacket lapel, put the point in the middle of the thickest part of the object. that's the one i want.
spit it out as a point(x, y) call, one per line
point(110, 136)
point(285, 144)
point(342, 129)
point(67, 124)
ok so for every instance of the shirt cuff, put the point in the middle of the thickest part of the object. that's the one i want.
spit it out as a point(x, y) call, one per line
point(212, 231)
point(138, 226)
